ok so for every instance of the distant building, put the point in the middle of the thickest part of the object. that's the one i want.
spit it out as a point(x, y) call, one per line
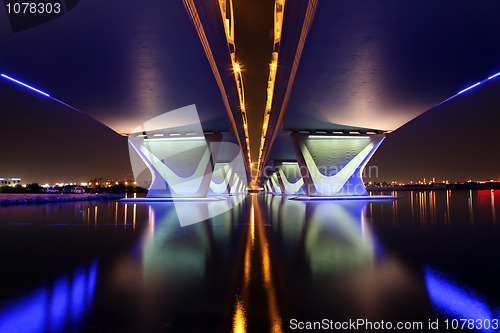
point(97, 182)
point(102, 182)
point(10, 181)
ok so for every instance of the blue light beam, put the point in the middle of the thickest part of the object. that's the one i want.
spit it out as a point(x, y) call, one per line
point(69, 106)
point(468, 88)
point(25, 85)
point(38, 91)
point(494, 75)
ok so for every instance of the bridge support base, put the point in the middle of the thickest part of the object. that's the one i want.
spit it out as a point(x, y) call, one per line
point(274, 183)
point(181, 167)
point(332, 165)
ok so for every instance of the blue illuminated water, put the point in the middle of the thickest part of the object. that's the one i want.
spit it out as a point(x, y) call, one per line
point(116, 267)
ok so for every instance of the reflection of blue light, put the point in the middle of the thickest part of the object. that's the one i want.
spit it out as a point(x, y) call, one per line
point(468, 88)
point(91, 282)
point(454, 300)
point(25, 315)
point(78, 294)
point(25, 85)
point(59, 304)
point(52, 308)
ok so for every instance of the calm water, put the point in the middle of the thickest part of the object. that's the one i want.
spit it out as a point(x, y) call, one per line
point(268, 263)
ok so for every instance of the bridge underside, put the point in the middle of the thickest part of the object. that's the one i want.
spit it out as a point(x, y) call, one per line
point(342, 74)
point(322, 164)
point(351, 69)
point(183, 160)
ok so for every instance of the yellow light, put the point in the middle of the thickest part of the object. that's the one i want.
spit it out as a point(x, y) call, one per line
point(126, 183)
point(135, 183)
point(236, 67)
point(239, 319)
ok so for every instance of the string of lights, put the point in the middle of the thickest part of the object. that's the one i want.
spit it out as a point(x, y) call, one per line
point(226, 10)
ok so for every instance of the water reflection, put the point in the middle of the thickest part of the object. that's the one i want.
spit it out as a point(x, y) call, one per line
point(256, 266)
point(241, 299)
point(265, 262)
point(337, 237)
point(57, 306)
point(179, 273)
point(334, 265)
point(440, 208)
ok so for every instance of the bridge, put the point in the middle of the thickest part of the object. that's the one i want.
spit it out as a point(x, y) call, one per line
point(342, 76)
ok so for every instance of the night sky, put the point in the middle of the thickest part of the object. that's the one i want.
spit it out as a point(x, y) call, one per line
point(455, 141)
point(58, 145)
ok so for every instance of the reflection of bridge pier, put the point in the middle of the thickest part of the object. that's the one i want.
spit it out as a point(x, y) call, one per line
point(342, 219)
point(256, 306)
point(327, 249)
point(174, 265)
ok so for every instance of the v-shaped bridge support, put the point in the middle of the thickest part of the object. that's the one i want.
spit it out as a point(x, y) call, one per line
point(332, 165)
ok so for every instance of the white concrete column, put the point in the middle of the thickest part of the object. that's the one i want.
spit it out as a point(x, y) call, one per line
point(289, 177)
point(219, 184)
point(274, 183)
point(332, 165)
point(181, 166)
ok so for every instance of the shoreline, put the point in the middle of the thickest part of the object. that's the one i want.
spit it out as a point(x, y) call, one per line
point(29, 198)
point(472, 186)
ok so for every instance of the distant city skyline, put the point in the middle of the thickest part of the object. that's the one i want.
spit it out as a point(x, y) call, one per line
point(454, 141)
